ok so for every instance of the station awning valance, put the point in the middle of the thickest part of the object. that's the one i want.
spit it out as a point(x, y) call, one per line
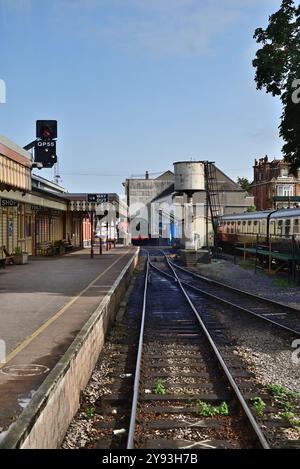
point(15, 167)
point(82, 206)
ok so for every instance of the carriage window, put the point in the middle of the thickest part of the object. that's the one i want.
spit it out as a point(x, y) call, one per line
point(232, 223)
point(244, 223)
point(239, 223)
point(255, 223)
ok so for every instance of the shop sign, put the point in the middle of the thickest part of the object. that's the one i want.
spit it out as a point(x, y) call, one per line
point(9, 203)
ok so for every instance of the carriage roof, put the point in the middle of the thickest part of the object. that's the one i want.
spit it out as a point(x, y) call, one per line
point(283, 213)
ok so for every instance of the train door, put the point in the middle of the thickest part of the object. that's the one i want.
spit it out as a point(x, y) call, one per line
point(296, 227)
point(272, 228)
point(287, 228)
point(279, 230)
point(249, 227)
point(263, 228)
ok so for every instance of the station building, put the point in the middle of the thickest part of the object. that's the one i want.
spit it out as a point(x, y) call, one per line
point(36, 213)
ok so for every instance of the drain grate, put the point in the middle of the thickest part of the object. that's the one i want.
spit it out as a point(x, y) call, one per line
point(24, 370)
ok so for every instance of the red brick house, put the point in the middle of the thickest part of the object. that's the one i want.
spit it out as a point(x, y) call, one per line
point(273, 186)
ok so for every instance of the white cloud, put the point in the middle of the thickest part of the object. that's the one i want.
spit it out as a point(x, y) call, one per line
point(172, 27)
point(162, 27)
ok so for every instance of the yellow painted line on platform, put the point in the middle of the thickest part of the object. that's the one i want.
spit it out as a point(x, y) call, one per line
point(44, 326)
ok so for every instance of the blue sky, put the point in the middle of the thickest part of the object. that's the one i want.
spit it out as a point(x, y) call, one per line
point(137, 84)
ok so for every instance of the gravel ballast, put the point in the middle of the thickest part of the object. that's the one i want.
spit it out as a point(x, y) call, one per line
point(260, 284)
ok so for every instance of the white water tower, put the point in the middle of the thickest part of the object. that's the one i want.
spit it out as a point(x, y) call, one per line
point(189, 178)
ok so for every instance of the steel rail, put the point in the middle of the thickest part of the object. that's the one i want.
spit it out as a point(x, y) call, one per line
point(234, 305)
point(263, 442)
point(236, 290)
point(136, 387)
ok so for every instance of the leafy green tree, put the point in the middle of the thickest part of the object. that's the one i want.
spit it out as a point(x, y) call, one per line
point(252, 208)
point(244, 183)
point(277, 66)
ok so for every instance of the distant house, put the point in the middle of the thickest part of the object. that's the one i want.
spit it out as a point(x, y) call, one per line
point(274, 186)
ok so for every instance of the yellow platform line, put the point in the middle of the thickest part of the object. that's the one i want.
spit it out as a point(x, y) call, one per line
point(53, 318)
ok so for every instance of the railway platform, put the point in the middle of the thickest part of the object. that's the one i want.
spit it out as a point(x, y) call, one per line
point(44, 306)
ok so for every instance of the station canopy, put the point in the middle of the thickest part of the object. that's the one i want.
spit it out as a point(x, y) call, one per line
point(15, 166)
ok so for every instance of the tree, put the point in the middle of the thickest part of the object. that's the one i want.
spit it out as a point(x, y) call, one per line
point(277, 66)
point(244, 183)
point(252, 208)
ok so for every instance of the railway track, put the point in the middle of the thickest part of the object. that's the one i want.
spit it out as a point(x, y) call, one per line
point(279, 315)
point(185, 392)
point(173, 379)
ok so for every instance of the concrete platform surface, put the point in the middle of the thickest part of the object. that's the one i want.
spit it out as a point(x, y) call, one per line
point(43, 305)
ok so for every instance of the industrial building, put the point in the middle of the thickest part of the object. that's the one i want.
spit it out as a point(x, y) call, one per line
point(174, 207)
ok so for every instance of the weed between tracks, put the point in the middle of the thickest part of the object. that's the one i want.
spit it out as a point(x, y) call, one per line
point(208, 410)
point(258, 406)
point(289, 402)
point(159, 387)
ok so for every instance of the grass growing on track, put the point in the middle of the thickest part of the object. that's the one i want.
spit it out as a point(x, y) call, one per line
point(90, 413)
point(286, 400)
point(159, 387)
point(208, 410)
point(258, 406)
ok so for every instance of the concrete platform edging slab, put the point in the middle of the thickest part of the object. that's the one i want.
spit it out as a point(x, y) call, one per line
point(45, 420)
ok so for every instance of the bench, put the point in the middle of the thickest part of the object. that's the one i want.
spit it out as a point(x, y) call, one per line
point(44, 249)
point(67, 245)
point(9, 258)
